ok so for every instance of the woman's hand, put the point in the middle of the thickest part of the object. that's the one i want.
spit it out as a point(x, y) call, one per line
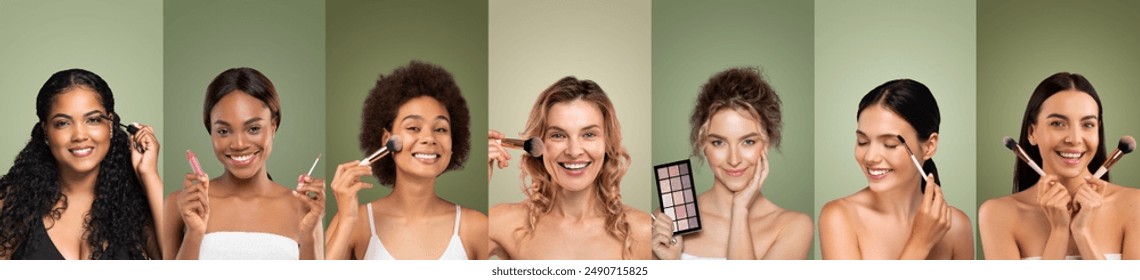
point(346, 184)
point(311, 192)
point(1086, 204)
point(1054, 201)
point(932, 221)
point(194, 203)
point(144, 151)
point(744, 198)
point(666, 246)
point(496, 152)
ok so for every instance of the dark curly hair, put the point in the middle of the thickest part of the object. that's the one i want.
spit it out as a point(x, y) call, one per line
point(741, 89)
point(118, 223)
point(392, 91)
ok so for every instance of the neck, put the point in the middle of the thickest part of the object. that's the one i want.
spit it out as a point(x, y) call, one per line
point(577, 204)
point(258, 183)
point(414, 195)
point(900, 200)
point(75, 183)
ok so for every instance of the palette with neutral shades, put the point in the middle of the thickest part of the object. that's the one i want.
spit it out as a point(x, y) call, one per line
point(678, 196)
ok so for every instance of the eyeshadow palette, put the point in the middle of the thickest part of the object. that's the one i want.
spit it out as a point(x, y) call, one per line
point(678, 195)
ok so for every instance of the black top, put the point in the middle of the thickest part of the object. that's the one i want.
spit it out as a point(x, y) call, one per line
point(37, 246)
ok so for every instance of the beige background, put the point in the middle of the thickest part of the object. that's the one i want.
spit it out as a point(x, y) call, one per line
point(535, 43)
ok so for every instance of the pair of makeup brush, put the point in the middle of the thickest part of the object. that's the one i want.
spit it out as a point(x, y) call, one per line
point(1126, 145)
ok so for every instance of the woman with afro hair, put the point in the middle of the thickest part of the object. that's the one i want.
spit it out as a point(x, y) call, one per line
point(82, 188)
point(420, 105)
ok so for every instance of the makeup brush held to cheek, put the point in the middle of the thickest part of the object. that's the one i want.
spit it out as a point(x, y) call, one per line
point(393, 145)
point(532, 146)
point(1127, 145)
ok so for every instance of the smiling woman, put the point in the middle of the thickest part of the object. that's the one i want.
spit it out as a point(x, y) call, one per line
point(82, 188)
point(900, 214)
point(1065, 214)
point(242, 114)
point(420, 105)
point(573, 208)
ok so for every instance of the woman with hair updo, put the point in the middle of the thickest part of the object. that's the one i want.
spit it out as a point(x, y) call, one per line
point(735, 122)
point(573, 208)
point(243, 214)
point(420, 105)
point(82, 188)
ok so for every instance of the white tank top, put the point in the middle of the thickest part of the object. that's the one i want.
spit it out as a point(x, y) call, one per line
point(376, 250)
point(238, 245)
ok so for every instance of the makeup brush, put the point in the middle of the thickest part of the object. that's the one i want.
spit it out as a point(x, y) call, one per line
point(393, 145)
point(1012, 146)
point(914, 159)
point(1127, 145)
point(532, 146)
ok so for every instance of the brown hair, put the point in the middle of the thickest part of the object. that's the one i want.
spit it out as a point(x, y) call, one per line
point(740, 89)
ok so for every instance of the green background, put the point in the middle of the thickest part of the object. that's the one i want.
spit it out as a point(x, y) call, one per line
point(120, 41)
point(862, 44)
point(370, 38)
point(694, 40)
point(1020, 43)
point(535, 43)
point(285, 40)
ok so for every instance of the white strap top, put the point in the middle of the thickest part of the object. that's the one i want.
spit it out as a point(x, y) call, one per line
point(236, 245)
point(376, 250)
point(1111, 257)
point(686, 256)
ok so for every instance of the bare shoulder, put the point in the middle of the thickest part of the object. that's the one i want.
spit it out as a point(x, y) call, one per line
point(639, 221)
point(506, 218)
point(793, 219)
point(472, 221)
point(960, 224)
point(997, 209)
point(837, 208)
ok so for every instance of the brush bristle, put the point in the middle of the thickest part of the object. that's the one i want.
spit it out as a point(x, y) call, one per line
point(394, 144)
point(1009, 143)
point(901, 138)
point(533, 147)
point(1127, 144)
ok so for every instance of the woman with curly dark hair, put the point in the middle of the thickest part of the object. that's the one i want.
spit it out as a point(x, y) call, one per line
point(573, 207)
point(734, 124)
point(243, 214)
point(82, 188)
point(420, 105)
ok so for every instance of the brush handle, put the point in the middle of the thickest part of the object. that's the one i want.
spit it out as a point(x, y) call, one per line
point(1100, 172)
point(513, 143)
point(383, 151)
point(921, 173)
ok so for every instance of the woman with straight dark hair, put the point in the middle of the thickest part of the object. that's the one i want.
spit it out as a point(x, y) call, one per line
point(82, 188)
point(1066, 214)
point(900, 214)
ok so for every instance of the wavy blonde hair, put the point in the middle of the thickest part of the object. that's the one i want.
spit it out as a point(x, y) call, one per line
point(541, 192)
